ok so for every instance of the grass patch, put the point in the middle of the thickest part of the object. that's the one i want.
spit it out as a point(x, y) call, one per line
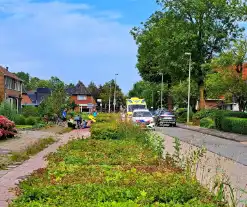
point(25, 154)
point(24, 126)
point(125, 172)
point(32, 149)
point(65, 130)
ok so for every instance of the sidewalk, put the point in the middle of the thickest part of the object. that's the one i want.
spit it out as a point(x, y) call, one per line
point(213, 132)
point(12, 177)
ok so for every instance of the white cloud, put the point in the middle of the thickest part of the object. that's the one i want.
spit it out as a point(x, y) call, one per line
point(66, 40)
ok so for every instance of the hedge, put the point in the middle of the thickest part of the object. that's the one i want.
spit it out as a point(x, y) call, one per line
point(205, 113)
point(234, 124)
point(221, 114)
point(207, 123)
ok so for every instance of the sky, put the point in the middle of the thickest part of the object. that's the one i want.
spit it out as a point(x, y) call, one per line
point(85, 40)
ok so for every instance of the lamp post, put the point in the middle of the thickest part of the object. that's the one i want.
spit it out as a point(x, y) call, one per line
point(161, 94)
point(114, 103)
point(109, 110)
point(188, 106)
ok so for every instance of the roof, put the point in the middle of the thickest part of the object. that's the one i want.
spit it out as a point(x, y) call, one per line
point(39, 95)
point(26, 99)
point(5, 72)
point(79, 89)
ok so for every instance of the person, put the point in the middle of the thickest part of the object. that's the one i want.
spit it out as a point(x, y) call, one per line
point(94, 113)
point(78, 120)
point(64, 115)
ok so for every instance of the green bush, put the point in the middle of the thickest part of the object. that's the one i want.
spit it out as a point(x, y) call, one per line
point(28, 111)
point(105, 131)
point(181, 115)
point(30, 121)
point(223, 113)
point(234, 124)
point(20, 120)
point(211, 113)
point(7, 111)
point(207, 123)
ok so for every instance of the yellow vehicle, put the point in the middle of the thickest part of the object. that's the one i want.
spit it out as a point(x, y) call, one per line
point(135, 103)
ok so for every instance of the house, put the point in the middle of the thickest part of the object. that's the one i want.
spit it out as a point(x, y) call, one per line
point(36, 96)
point(10, 88)
point(220, 103)
point(82, 97)
point(26, 100)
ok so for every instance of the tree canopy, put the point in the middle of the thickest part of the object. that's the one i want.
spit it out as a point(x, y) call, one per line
point(203, 28)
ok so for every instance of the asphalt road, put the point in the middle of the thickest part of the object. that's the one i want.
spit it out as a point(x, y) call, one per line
point(226, 148)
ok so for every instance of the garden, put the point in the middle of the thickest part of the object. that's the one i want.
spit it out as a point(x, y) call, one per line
point(223, 120)
point(119, 165)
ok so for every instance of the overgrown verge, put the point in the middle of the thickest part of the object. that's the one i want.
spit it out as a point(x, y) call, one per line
point(120, 165)
point(25, 154)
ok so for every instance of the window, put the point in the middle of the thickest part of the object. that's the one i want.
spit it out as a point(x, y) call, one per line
point(142, 114)
point(81, 97)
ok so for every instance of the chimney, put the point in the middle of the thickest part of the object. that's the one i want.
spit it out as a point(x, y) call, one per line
point(7, 68)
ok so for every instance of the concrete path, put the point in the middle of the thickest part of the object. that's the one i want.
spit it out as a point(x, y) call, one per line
point(230, 149)
point(12, 177)
point(211, 166)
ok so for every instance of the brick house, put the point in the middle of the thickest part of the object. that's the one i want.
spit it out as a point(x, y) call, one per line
point(10, 88)
point(220, 103)
point(35, 97)
point(82, 97)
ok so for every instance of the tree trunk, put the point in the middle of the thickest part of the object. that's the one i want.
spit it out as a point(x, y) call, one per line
point(169, 97)
point(202, 98)
point(241, 104)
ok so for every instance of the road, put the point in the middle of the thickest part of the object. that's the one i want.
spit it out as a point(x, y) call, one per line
point(226, 148)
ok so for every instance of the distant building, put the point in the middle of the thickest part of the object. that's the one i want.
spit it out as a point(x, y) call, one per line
point(35, 97)
point(10, 88)
point(82, 97)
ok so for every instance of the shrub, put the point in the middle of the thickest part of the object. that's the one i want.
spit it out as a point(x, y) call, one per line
point(234, 124)
point(105, 131)
point(7, 128)
point(181, 115)
point(7, 111)
point(207, 123)
point(223, 113)
point(20, 120)
point(211, 113)
point(31, 121)
point(28, 111)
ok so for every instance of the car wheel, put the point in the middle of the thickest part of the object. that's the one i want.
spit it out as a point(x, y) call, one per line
point(175, 125)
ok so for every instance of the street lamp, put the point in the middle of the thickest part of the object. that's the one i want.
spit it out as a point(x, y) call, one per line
point(109, 110)
point(188, 106)
point(115, 92)
point(161, 95)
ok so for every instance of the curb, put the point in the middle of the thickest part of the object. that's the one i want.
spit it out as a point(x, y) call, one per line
point(209, 133)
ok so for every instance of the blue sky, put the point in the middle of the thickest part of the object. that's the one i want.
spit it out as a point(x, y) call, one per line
point(85, 40)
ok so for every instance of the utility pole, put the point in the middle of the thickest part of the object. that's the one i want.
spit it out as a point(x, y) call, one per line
point(162, 85)
point(153, 99)
point(110, 100)
point(115, 92)
point(188, 106)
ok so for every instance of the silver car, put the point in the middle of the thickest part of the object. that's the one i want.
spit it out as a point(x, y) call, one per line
point(143, 117)
point(166, 118)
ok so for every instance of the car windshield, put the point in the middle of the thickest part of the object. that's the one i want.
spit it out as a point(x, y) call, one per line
point(166, 113)
point(134, 107)
point(142, 114)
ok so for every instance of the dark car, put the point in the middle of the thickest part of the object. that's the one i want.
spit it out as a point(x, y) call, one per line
point(166, 118)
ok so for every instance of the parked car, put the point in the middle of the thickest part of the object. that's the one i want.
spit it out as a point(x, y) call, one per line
point(143, 117)
point(166, 118)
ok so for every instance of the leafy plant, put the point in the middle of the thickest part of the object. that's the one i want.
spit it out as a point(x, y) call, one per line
point(7, 111)
point(207, 123)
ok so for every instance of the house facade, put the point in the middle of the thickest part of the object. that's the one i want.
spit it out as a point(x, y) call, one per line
point(82, 98)
point(10, 88)
point(35, 97)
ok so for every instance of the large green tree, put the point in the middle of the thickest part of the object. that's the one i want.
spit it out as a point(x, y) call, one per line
point(107, 90)
point(229, 78)
point(201, 27)
point(149, 91)
point(94, 90)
